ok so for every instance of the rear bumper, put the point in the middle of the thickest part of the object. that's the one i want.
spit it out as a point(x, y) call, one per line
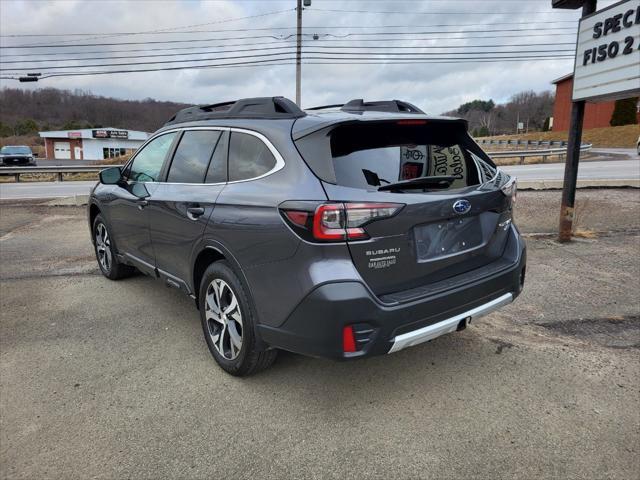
point(315, 326)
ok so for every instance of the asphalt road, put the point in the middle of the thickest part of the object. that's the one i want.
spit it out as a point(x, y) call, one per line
point(103, 379)
point(31, 190)
point(613, 169)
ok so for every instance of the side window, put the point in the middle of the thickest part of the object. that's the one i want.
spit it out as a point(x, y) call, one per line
point(148, 162)
point(249, 157)
point(192, 156)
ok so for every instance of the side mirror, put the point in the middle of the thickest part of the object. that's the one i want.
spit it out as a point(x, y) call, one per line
point(34, 154)
point(110, 176)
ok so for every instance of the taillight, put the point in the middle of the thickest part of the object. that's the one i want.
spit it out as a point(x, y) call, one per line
point(329, 222)
point(337, 222)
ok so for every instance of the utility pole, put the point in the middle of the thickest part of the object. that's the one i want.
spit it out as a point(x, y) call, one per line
point(299, 54)
point(301, 5)
point(567, 208)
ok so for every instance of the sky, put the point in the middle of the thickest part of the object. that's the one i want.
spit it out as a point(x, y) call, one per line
point(344, 28)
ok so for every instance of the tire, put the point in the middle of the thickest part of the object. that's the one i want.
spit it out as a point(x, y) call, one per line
point(106, 253)
point(230, 331)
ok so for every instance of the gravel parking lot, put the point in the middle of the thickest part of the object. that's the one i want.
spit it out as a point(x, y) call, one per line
point(114, 380)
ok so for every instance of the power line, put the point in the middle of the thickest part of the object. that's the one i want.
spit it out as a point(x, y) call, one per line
point(284, 37)
point(165, 30)
point(289, 61)
point(519, 12)
point(316, 44)
point(343, 60)
point(310, 27)
point(416, 55)
point(529, 35)
point(332, 47)
point(91, 52)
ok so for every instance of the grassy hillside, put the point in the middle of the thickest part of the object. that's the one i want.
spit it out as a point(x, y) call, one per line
point(612, 137)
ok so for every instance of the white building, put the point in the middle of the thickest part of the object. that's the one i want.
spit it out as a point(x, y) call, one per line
point(91, 144)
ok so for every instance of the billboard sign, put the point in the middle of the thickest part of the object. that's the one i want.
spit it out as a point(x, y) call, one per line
point(607, 63)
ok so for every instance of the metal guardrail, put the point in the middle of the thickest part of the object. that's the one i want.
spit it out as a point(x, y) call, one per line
point(545, 153)
point(551, 143)
point(58, 171)
point(522, 142)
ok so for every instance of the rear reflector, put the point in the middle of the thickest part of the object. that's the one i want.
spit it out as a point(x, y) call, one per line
point(348, 340)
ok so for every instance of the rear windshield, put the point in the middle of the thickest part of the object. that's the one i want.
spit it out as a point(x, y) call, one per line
point(370, 155)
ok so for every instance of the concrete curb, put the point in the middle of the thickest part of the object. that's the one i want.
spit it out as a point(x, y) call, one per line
point(75, 200)
point(582, 183)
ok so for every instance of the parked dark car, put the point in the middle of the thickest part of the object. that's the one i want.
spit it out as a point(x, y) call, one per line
point(343, 231)
point(19, 155)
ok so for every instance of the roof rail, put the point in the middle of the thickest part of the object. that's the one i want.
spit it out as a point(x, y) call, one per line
point(260, 107)
point(322, 107)
point(360, 105)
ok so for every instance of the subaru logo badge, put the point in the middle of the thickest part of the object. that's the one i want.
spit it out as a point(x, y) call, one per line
point(462, 206)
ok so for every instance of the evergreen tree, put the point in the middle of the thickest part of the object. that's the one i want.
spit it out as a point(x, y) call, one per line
point(624, 112)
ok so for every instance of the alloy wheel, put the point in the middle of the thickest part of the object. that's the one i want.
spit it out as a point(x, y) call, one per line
point(103, 244)
point(224, 319)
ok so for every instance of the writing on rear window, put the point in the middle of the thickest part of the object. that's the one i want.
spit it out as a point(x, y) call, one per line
point(449, 161)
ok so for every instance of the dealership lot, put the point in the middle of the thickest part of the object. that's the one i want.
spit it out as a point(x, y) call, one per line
point(114, 380)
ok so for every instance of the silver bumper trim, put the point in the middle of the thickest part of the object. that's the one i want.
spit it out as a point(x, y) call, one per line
point(449, 325)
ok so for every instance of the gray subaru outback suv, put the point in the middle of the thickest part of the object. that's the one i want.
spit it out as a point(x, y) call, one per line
point(343, 231)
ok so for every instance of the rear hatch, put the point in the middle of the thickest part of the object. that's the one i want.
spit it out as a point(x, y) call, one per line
point(450, 207)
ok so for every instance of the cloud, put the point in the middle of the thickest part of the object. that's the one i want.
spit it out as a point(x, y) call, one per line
point(435, 87)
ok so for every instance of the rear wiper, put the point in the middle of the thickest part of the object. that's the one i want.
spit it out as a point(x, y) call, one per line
point(443, 181)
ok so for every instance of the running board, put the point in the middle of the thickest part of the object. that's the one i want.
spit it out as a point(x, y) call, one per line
point(449, 325)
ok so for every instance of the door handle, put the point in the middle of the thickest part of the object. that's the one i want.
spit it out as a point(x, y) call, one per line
point(194, 212)
point(142, 204)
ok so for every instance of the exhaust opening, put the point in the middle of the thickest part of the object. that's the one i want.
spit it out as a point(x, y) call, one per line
point(464, 323)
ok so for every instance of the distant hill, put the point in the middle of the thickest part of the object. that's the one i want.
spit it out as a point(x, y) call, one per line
point(23, 111)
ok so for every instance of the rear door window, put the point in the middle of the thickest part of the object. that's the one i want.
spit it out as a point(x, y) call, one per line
point(249, 157)
point(192, 156)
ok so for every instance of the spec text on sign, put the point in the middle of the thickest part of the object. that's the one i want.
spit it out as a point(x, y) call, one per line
point(613, 24)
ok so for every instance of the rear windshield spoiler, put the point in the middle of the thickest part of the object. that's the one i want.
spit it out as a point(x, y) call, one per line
point(297, 134)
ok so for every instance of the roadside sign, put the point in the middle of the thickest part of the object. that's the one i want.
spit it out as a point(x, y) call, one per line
point(607, 64)
point(110, 134)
